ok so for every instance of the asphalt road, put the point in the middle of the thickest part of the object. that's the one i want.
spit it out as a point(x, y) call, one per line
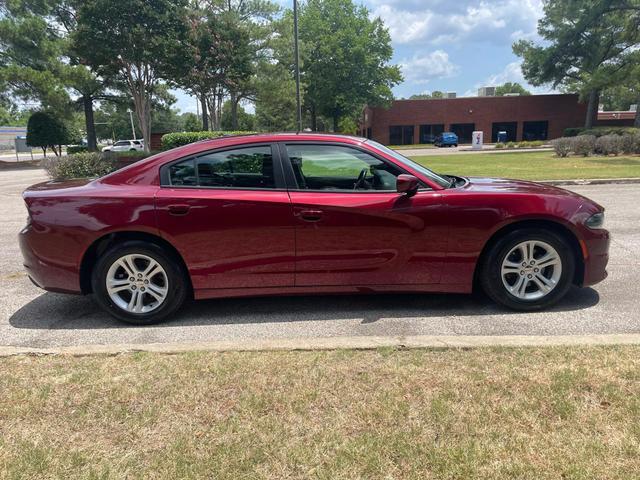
point(30, 317)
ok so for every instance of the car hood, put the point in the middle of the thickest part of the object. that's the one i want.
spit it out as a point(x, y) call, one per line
point(504, 185)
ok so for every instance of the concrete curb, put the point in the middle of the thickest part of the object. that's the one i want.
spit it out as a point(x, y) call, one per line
point(333, 343)
point(593, 181)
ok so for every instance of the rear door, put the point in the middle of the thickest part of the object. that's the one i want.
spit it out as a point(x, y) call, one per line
point(229, 215)
point(352, 227)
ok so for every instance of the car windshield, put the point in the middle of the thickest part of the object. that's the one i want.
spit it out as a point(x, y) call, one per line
point(434, 177)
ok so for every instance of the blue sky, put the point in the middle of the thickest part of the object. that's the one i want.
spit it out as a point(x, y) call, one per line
point(451, 45)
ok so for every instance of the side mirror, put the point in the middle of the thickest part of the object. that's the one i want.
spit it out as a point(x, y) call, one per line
point(407, 184)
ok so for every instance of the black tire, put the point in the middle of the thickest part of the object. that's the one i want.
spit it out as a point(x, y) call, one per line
point(491, 265)
point(177, 282)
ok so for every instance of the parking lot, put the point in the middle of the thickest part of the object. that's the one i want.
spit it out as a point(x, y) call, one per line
point(30, 317)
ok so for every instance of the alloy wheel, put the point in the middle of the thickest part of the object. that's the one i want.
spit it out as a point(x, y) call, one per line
point(531, 270)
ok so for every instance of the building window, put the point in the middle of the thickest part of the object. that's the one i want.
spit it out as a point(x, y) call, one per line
point(511, 128)
point(428, 133)
point(369, 132)
point(535, 130)
point(464, 131)
point(401, 135)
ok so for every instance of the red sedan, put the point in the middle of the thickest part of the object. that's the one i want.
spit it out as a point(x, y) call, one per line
point(299, 214)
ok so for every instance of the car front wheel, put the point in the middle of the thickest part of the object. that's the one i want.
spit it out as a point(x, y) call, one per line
point(139, 283)
point(528, 269)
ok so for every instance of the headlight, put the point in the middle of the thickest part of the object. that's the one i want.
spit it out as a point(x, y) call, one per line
point(595, 221)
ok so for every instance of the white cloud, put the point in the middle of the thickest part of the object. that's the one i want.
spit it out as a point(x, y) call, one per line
point(497, 22)
point(512, 72)
point(424, 67)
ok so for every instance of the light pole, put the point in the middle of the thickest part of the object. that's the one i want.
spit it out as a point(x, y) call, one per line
point(133, 129)
point(297, 64)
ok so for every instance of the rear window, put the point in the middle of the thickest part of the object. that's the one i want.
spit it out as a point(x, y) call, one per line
point(250, 167)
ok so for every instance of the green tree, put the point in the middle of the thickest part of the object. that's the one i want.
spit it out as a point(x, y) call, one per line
point(244, 121)
point(511, 87)
point(587, 44)
point(39, 62)
point(275, 86)
point(624, 93)
point(139, 45)
point(345, 57)
point(47, 131)
point(191, 122)
point(427, 96)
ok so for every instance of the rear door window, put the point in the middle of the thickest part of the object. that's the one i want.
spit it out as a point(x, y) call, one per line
point(249, 167)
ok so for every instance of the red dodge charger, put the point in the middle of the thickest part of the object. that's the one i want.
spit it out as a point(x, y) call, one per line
point(281, 214)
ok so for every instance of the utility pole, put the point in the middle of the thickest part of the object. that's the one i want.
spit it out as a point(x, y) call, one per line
point(133, 129)
point(297, 64)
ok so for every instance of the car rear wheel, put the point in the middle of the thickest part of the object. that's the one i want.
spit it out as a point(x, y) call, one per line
point(138, 282)
point(528, 269)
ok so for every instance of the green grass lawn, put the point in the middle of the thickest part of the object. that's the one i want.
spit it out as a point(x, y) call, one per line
point(501, 413)
point(533, 165)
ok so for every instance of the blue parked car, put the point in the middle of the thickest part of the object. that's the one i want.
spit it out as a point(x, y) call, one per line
point(446, 139)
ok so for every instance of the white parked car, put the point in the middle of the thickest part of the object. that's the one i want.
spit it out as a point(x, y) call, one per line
point(125, 146)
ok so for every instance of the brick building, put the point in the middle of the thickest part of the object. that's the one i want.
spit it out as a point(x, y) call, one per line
point(530, 117)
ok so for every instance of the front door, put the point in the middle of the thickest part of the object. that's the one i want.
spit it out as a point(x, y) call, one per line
point(229, 215)
point(353, 228)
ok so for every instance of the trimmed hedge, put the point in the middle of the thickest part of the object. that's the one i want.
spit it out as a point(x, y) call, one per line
point(600, 131)
point(178, 139)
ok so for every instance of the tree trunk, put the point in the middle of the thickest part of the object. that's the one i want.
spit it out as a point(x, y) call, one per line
point(234, 111)
point(92, 144)
point(142, 102)
point(314, 119)
point(205, 114)
point(336, 119)
point(592, 108)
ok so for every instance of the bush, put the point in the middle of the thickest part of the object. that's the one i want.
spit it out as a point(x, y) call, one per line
point(631, 143)
point(178, 139)
point(562, 146)
point(600, 131)
point(573, 131)
point(536, 143)
point(76, 149)
point(584, 145)
point(499, 145)
point(510, 145)
point(79, 165)
point(609, 145)
point(47, 131)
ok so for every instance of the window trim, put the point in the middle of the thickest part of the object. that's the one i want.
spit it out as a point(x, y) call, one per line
point(278, 174)
point(292, 183)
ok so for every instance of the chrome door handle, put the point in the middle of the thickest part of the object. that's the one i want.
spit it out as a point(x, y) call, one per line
point(309, 215)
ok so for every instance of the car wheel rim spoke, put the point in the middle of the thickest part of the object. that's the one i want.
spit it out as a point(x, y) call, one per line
point(531, 270)
point(137, 283)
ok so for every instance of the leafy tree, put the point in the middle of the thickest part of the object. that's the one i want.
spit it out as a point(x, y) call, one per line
point(511, 87)
point(223, 43)
point(46, 131)
point(625, 92)
point(587, 44)
point(191, 122)
point(345, 57)
point(244, 121)
point(275, 86)
point(427, 96)
point(39, 62)
point(138, 44)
